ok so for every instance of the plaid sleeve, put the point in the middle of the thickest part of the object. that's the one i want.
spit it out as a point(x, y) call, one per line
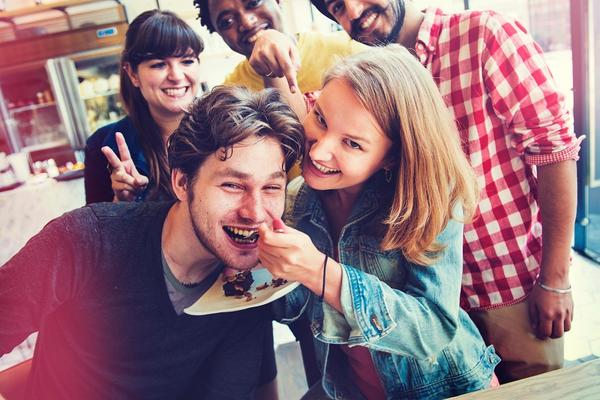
point(523, 94)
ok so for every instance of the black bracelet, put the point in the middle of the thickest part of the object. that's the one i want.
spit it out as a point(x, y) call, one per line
point(324, 276)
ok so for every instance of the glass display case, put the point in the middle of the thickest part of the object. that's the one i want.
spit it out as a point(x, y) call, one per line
point(31, 119)
point(87, 88)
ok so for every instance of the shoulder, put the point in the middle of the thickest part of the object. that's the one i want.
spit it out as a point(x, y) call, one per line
point(244, 75)
point(129, 212)
point(492, 22)
point(333, 42)
point(105, 136)
point(293, 201)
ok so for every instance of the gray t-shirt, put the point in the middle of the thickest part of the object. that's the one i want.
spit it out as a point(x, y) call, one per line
point(184, 295)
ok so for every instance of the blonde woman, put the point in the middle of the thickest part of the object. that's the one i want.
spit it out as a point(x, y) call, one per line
point(377, 236)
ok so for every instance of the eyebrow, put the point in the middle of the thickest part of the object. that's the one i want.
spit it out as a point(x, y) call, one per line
point(233, 173)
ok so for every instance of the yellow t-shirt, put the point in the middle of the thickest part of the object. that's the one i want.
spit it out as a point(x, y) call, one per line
point(318, 52)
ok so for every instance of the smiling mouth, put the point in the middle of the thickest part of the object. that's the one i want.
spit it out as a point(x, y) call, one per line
point(242, 236)
point(176, 92)
point(324, 169)
point(253, 36)
point(366, 22)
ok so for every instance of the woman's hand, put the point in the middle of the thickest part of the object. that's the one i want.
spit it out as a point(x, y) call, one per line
point(275, 56)
point(126, 181)
point(290, 254)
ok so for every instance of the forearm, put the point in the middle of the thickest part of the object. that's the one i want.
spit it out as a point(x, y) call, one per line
point(332, 289)
point(294, 100)
point(557, 196)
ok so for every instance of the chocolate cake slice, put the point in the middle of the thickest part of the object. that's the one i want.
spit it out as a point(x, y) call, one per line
point(238, 284)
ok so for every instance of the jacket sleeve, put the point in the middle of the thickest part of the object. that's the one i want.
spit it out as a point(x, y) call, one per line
point(418, 321)
point(44, 274)
point(96, 177)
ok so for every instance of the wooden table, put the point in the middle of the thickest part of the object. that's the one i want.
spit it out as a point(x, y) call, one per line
point(580, 382)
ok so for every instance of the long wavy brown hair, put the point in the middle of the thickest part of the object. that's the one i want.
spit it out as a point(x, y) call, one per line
point(432, 179)
point(154, 34)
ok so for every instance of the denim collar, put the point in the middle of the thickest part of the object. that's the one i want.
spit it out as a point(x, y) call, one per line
point(376, 194)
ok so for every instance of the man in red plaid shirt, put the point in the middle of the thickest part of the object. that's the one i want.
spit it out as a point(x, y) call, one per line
point(518, 136)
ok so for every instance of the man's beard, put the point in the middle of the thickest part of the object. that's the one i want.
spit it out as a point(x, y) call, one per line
point(398, 10)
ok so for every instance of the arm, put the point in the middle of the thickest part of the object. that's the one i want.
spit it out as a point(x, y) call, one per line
point(551, 313)
point(417, 321)
point(42, 276)
point(535, 114)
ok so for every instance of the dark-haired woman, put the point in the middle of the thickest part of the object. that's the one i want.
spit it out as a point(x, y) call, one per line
point(159, 80)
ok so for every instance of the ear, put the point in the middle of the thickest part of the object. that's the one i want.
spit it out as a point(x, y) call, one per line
point(133, 77)
point(180, 184)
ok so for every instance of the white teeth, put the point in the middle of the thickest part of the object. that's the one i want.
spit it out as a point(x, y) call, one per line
point(368, 21)
point(323, 169)
point(242, 232)
point(175, 92)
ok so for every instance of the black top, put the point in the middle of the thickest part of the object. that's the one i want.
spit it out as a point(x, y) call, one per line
point(92, 283)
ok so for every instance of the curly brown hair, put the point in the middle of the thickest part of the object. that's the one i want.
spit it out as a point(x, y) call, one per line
point(204, 14)
point(228, 115)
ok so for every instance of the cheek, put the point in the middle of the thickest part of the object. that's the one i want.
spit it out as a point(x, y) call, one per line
point(275, 205)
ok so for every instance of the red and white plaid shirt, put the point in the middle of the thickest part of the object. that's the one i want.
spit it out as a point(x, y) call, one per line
point(511, 118)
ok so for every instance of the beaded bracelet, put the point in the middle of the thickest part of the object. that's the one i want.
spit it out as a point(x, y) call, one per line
point(554, 290)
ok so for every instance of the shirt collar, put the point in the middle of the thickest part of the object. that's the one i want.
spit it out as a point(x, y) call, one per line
point(429, 34)
point(308, 203)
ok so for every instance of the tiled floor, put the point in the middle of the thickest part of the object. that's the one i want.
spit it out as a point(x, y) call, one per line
point(582, 343)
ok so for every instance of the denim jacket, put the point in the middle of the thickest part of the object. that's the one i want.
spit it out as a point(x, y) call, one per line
point(422, 344)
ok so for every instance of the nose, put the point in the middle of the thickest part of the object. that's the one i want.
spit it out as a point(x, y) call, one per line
point(354, 9)
point(175, 72)
point(320, 149)
point(247, 21)
point(253, 209)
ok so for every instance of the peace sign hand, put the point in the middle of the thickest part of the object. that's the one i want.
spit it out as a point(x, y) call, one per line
point(126, 181)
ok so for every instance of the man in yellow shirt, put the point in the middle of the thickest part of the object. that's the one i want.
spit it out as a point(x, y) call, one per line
point(254, 28)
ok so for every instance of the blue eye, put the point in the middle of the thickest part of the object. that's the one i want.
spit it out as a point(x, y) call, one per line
point(232, 186)
point(352, 144)
point(158, 65)
point(320, 120)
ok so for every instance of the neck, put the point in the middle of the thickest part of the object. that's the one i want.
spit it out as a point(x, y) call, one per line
point(413, 18)
point(166, 124)
point(188, 259)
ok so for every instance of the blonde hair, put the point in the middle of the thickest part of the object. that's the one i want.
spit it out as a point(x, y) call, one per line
point(432, 177)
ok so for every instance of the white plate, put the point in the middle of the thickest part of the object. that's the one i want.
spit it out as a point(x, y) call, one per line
point(214, 300)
